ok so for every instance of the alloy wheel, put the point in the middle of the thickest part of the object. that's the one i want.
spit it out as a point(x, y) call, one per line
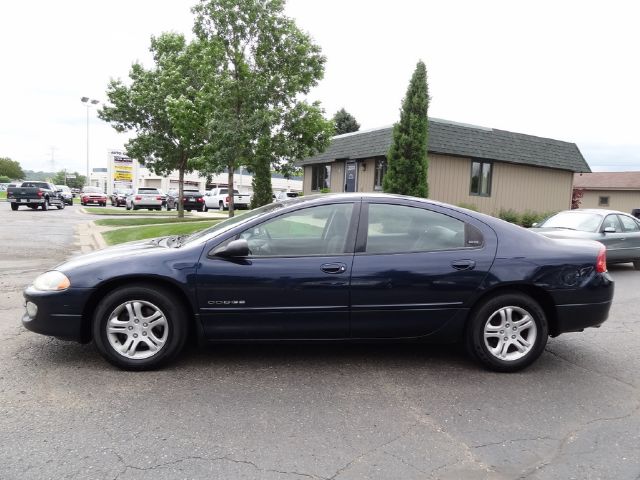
point(510, 333)
point(137, 329)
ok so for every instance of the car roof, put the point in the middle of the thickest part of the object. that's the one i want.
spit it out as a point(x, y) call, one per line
point(599, 211)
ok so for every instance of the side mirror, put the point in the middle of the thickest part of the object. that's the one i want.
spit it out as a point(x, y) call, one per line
point(237, 248)
point(609, 230)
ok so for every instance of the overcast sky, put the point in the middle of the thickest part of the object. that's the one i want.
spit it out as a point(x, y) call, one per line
point(560, 69)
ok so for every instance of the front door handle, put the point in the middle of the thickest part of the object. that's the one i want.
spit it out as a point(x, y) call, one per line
point(463, 264)
point(333, 268)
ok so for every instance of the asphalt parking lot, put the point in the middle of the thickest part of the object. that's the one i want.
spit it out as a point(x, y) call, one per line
point(308, 411)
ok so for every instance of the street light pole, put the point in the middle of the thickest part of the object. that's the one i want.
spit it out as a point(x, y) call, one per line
point(87, 103)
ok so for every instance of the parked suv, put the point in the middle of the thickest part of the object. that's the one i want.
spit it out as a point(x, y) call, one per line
point(192, 198)
point(145, 197)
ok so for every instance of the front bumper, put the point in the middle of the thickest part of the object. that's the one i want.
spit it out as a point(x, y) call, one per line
point(60, 314)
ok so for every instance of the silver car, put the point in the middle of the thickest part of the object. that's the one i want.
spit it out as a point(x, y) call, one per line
point(617, 231)
point(145, 197)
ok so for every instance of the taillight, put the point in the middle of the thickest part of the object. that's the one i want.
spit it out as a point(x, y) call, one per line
point(40, 193)
point(158, 198)
point(226, 199)
point(200, 199)
point(138, 197)
point(601, 261)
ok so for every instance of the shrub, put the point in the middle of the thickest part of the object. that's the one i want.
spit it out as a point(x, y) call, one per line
point(325, 190)
point(529, 218)
point(509, 215)
point(468, 206)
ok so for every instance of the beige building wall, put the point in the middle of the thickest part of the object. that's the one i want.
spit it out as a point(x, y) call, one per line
point(516, 187)
point(622, 200)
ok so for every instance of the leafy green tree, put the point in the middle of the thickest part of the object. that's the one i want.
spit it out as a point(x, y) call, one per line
point(345, 122)
point(11, 168)
point(407, 158)
point(268, 65)
point(78, 181)
point(166, 105)
point(4, 179)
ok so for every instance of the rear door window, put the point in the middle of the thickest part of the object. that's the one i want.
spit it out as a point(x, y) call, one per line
point(399, 228)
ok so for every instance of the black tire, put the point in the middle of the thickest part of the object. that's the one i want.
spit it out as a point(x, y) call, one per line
point(170, 306)
point(61, 206)
point(221, 207)
point(636, 264)
point(133, 207)
point(205, 208)
point(487, 314)
point(45, 205)
point(14, 206)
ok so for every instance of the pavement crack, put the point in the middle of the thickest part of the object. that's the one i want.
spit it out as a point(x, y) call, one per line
point(503, 442)
point(568, 439)
point(212, 460)
point(351, 462)
point(402, 460)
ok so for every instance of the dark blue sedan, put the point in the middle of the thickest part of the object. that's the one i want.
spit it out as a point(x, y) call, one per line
point(330, 267)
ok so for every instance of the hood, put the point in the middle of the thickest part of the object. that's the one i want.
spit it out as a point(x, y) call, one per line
point(115, 253)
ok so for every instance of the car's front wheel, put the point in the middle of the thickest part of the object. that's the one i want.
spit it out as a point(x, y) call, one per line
point(636, 264)
point(508, 332)
point(139, 327)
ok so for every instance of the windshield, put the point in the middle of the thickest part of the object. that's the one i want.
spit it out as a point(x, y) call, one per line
point(153, 191)
point(582, 221)
point(64, 188)
point(232, 222)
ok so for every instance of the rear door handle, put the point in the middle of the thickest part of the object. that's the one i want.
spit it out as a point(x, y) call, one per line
point(463, 264)
point(333, 268)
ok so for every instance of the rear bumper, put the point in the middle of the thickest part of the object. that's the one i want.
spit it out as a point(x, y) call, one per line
point(574, 315)
point(26, 201)
point(575, 318)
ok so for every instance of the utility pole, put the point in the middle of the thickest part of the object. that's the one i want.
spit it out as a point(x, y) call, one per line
point(88, 103)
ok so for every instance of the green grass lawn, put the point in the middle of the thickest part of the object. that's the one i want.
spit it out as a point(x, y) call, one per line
point(122, 235)
point(123, 211)
point(3, 195)
point(129, 222)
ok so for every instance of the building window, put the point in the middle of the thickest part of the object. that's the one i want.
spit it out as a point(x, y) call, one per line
point(603, 201)
point(381, 170)
point(480, 178)
point(320, 177)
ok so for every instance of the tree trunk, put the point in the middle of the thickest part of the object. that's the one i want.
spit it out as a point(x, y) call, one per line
point(230, 190)
point(180, 191)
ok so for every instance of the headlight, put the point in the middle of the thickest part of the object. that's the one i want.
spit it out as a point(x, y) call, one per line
point(51, 281)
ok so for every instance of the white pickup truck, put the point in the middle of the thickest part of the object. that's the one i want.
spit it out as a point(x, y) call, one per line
point(219, 198)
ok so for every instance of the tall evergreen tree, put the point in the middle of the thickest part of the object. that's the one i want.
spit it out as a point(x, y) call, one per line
point(345, 122)
point(407, 158)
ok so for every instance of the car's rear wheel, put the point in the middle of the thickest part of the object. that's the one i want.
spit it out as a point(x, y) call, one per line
point(61, 206)
point(221, 206)
point(508, 332)
point(205, 208)
point(45, 205)
point(139, 327)
point(14, 206)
